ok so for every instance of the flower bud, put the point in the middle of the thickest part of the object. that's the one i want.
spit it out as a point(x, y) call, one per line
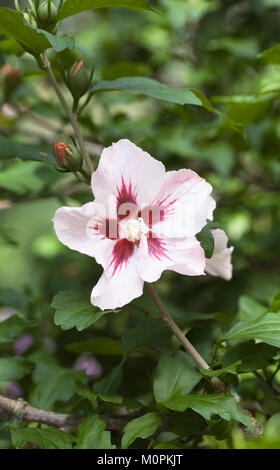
point(78, 79)
point(11, 77)
point(10, 74)
point(67, 159)
point(47, 13)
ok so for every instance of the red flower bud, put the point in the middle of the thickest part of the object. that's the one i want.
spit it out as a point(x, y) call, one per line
point(66, 158)
point(79, 79)
point(77, 68)
point(10, 74)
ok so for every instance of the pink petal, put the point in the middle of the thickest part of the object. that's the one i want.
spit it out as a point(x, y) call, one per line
point(220, 263)
point(127, 175)
point(86, 230)
point(182, 255)
point(120, 283)
point(185, 204)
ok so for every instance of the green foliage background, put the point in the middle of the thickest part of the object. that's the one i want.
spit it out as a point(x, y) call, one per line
point(213, 46)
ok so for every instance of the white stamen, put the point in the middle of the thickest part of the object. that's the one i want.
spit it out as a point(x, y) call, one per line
point(133, 229)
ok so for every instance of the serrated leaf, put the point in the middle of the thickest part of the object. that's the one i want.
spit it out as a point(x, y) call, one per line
point(142, 427)
point(149, 87)
point(174, 377)
point(49, 438)
point(14, 368)
point(265, 328)
point(74, 311)
point(207, 405)
point(52, 382)
point(92, 435)
point(72, 7)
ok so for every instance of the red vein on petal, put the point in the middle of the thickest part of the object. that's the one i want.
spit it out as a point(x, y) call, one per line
point(122, 252)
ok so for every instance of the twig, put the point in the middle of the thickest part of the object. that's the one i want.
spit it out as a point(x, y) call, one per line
point(20, 409)
point(181, 337)
point(72, 116)
point(195, 354)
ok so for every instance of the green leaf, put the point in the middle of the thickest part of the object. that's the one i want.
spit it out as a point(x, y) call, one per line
point(231, 369)
point(271, 56)
point(53, 383)
point(117, 399)
point(110, 384)
point(174, 377)
point(265, 328)
point(23, 177)
point(47, 438)
point(249, 309)
point(72, 7)
point(151, 331)
point(247, 108)
point(92, 435)
point(253, 356)
point(206, 239)
point(74, 311)
point(207, 405)
point(101, 345)
point(142, 427)
point(59, 42)
point(14, 326)
point(12, 24)
point(12, 298)
point(186, 423)
point(85, 392)
point(275, 306)
point(11, 47)
point(149, 87)
point(14, 368)
point(13, 149)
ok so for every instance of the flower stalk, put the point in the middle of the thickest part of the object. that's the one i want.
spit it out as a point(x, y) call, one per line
point(180, 335)
point(72, 116)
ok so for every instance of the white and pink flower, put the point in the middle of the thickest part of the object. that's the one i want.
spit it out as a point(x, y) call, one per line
point(143, 221)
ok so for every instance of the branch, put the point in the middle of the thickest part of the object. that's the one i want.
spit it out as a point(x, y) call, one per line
point(20, 409)
point(180, 335)
point(72, 116)
point(195, 354)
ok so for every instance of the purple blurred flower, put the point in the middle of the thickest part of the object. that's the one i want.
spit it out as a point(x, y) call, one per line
point(22, 344)
point(13, 390)
point(89, 364)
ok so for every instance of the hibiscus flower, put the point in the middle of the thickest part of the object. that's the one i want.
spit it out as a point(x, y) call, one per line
point(143, 221)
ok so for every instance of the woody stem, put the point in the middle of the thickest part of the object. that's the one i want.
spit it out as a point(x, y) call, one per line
point(180, 335)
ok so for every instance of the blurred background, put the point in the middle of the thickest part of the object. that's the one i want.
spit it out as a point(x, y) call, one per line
point(210, 45)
